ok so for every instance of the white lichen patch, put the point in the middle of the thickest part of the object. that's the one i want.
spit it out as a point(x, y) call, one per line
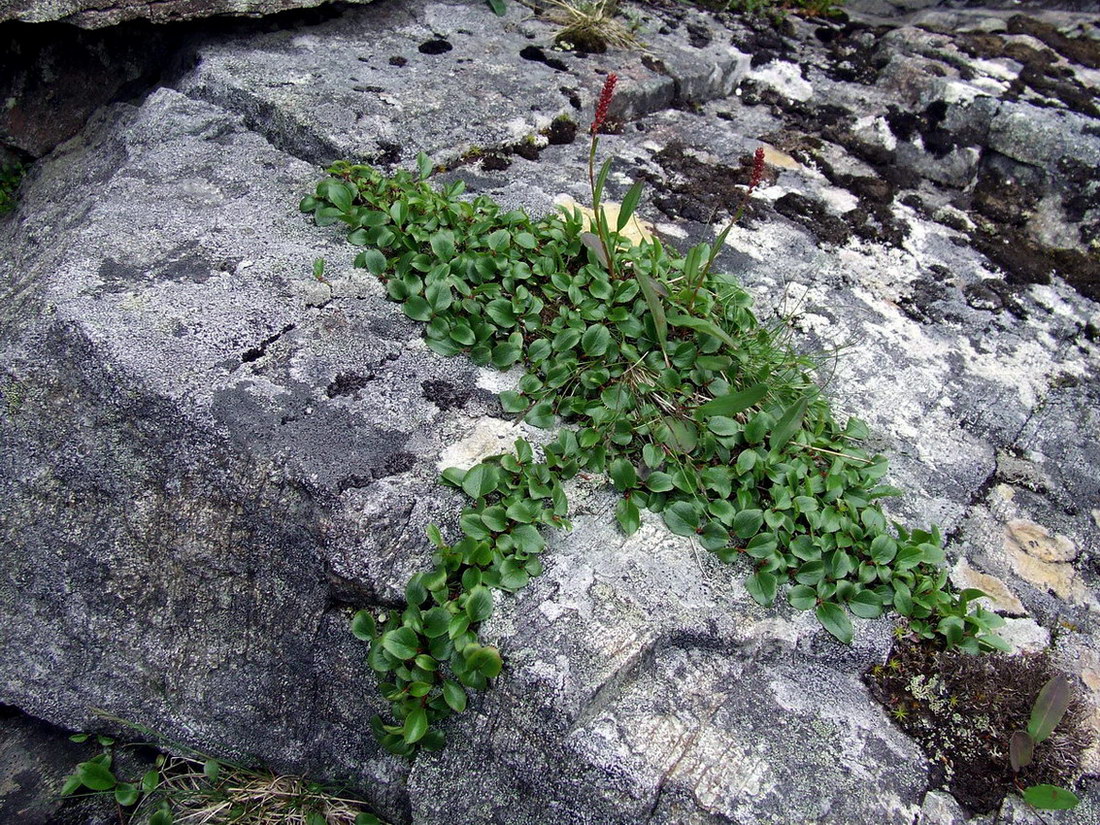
point(498, 381)
point(786, 78)
point(490, 437)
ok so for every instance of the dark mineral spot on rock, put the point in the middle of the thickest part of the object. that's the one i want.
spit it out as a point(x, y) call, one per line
point(1025, 261)
point(698, 36)
point(347, 383)
point(561, 131)
point(398, 463)
point(388, 153)
point(700, 191)
point(537, 55)
point(398, 60)
point(813, 215)
point(495, 163)
point(434, 47)
point(259, 351)
point(1082, 50)
point(444, 394)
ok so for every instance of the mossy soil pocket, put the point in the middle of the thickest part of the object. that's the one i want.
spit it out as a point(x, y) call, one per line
point(963, 711)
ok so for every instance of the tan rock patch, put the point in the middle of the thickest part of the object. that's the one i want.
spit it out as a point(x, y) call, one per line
point(1001, 598)
point(1036, 541)
point(1043, 560)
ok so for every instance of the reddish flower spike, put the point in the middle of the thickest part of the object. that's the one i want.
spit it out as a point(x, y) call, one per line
point(604, 102)
point(757, 168)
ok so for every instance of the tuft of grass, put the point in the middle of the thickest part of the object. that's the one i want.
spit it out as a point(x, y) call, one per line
point(199, 795)
point(591, 26)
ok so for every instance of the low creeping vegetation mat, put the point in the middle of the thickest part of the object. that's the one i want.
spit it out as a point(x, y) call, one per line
point(668, 384)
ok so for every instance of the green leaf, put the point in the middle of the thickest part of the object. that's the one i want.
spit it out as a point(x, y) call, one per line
point(747, 522)
point(702, 325)
point(401, 643)
point(746, 461)
point(73, 784)
point(162, 815)
point(682, 518)
point(802, 597)
point(435, 622)
point(629, 204)
point(417, 308)
point(374, 261)
point(953, 629)
point(211, 769)
point(734, 402)
point(723, 426)
point(95, 776)
point(416, 725)
point(623, 474)
point(150, 781)
point(424, 165)
point(1021, 750)
point(1050, 798)
point(597, 192)
point(596, 340)
point(656, 308)
point(479, 604)
point(480, 480)
point(835, 620)
point(541, 415)
point(762, 587)
point(883, 549)
point(485, 660)
point(628, 516)
point(1049, 708)
point(866, 604)
point(454, 695)
point(528, 539)
point(363, 626)
point(442, 244)
point(789, 423)
point(495, 519)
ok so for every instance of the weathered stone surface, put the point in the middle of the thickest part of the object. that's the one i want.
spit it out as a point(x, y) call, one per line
point(209, 459)
point(95, 14)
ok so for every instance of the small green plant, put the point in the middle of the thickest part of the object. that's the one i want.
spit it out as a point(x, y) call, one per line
point(11, 175)
point(1050, 706)
point(196, 789)
point(779, 8)
point(672, 387)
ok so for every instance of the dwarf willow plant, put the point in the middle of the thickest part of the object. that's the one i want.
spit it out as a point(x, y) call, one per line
point(673, 389)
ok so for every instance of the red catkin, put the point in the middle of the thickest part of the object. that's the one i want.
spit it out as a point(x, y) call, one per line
point(604, 102)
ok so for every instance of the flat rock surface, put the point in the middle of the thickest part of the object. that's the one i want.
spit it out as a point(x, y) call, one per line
point(97, 14)
point(210, 459)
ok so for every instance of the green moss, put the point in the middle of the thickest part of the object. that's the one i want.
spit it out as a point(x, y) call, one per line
point(11, 175)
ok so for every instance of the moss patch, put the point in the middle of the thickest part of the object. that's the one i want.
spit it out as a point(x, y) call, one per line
point(962, 710)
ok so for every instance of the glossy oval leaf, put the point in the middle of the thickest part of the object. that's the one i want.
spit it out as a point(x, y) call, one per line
point(1021, 749)
point(835, 620)
point(1050, 798)
point(479, 604)
point(1049, 708)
